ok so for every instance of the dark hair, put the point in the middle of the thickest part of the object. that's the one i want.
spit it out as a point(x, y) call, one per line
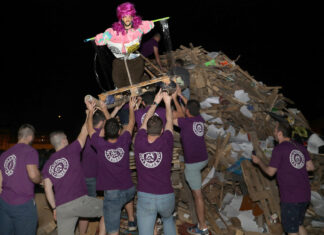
point(194, 107)
point(285, 129)
point(25, 130)
point(157, 34)
point(112, 128)
point(179, 62)
point(154, 125)
point(97, 117)
point(148, 97)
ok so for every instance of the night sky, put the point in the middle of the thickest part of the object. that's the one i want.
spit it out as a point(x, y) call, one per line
point(47, 69)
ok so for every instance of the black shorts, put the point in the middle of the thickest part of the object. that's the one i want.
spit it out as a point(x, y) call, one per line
point(292, 215)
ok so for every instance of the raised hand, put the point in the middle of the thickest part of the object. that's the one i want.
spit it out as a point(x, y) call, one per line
point(255, 159)
point(158, 96)
point(132, 102)
point(166, 98)
point(102, 105)
point(90, 106)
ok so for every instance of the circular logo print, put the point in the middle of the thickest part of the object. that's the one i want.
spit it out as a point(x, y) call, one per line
point(144, 115)
point(297, 159)
point(151, 159)
point(198, 128)
point(114, 155)
point(59, 168)
point(10, 164)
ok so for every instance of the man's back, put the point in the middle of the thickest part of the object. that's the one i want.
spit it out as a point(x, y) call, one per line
point(64, 170)
point(153, 162)
point(17, 187)
point(113, 162)
point(290, 160)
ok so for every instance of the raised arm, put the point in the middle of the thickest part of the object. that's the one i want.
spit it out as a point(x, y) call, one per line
point(89, 121)
point(83, 135)
point(131, 120)
point(33, 173)
point(102, 39)
point(116, 109)
point(48, 188)
point(150, 112)
point(179, 112)
point(167, 101)
point(103, 108)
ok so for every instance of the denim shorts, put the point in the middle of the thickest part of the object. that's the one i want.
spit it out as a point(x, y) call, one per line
point(91, 186)
point(114, 201)
point(193, 174)
point(292, 215)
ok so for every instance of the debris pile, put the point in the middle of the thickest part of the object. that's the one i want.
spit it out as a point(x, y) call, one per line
point(240, 114)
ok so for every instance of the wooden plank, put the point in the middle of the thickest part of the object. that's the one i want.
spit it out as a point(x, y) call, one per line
point(165, 79)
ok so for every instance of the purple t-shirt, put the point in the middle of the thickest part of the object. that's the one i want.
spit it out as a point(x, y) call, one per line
point(113, 162)
point(141, 113)
point(16, 185)
point(192, 138)
point(153, 162)
point(89, 159)
point(147, 47)
point(290, 160)
point(64, 169)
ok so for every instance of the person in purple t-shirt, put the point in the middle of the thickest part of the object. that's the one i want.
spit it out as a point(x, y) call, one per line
point(18, 174)
point(88, 156)
point(147, 101)
point(290, 161)
point(151, 47)
point(195, 153)
point(64, 172)
point(114, 175)
point(153, 156)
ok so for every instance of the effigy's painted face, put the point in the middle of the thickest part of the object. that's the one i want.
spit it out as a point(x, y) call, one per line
point(127, 21)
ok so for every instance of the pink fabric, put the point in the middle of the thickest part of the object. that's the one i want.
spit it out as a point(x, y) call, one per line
point(133, 34)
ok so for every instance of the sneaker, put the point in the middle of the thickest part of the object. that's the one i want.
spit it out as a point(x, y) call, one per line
point(132, 226)
point(196, 231)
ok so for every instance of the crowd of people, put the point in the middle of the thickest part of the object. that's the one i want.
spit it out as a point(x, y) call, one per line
point(98, 160)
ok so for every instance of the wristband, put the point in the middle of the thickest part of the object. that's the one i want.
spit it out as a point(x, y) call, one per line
point(54, 208)
point(155, 103)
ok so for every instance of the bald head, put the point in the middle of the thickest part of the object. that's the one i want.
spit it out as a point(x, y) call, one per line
point(58, 139)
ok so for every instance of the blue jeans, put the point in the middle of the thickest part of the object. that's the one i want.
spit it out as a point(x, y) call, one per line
point(114, 201)
point(91, 186)
point(18, 219)
point(148, 206)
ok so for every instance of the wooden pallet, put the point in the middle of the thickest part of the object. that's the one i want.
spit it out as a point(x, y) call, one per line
point(264, 191)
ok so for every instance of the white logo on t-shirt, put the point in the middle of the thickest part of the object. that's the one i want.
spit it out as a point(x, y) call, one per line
point(59, 168)
point(151, 159)
point(198, 128)
point(297, 159)
point(144, 115)
point(10, 164)
point(114, 155)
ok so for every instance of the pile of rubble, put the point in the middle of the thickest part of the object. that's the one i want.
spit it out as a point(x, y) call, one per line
point(240, 114)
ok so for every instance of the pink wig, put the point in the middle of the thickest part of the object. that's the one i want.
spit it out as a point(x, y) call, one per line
point(126, 9)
